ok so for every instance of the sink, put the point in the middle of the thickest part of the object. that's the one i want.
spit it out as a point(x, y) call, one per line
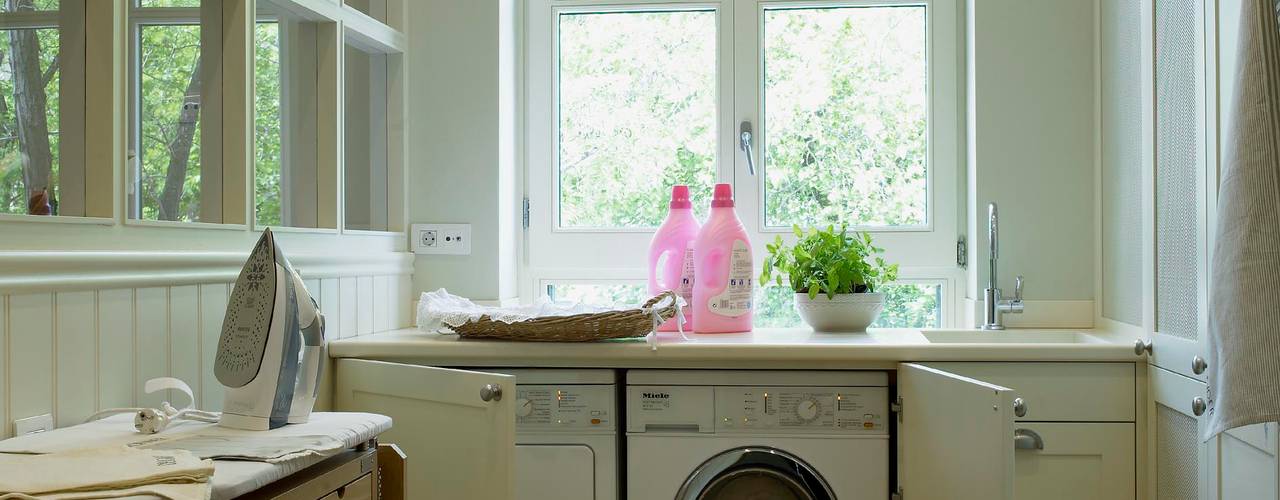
point(1009, 337)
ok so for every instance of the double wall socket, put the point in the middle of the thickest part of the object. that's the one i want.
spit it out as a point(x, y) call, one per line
point(441, 239)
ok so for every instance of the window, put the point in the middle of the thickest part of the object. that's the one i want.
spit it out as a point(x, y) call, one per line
point(35, 178)
point(853, 113)
point(286, 183)
point(166, 181)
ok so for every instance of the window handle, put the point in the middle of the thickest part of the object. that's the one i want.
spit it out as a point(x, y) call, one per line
point(744, 143)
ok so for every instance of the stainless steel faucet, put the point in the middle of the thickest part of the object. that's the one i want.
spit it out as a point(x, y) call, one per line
point(993, 306)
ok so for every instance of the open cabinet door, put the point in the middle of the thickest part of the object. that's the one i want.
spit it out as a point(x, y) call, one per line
point(457, 432)
point(956, 436)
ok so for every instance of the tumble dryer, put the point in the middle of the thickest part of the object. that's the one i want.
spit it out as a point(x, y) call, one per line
point(566, 434)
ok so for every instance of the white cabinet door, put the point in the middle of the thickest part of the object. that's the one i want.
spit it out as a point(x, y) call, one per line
point(1182, 195)
point(459, 443)
point(1185, 467)
point(1247, 463)
point(956, 436)
point(1075, 460)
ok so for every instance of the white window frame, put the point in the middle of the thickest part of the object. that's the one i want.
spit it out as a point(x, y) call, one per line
point(553, 254)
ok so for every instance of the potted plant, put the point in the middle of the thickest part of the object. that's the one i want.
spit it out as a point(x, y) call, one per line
point(837, 277)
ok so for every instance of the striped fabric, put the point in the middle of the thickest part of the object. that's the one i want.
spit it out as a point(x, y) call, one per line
point(1244, 323)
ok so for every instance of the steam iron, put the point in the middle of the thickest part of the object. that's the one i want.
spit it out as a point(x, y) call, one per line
point(272, 344)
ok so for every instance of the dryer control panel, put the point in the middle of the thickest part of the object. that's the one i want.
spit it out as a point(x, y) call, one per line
point(565, 407)
point(853, 410)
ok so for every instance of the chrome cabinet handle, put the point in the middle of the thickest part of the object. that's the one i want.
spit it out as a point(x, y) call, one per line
point(491, 392)
point(744, 143)
point(1198, 365)
point(1198, 406)
point(1019, 408)
point(1027, 439)
point(1140, 346)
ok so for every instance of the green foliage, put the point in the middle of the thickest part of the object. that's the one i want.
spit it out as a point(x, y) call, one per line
point(637, 115)
point(266, 124)
point(13, 190)
point(845, 116)
point(169, 55)
point(824, 261)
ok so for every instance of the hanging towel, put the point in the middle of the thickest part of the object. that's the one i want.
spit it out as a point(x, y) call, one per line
point(1244, 322)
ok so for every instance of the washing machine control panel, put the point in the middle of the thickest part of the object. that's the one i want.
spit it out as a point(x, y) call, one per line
point(852, 410)
point(565, 407)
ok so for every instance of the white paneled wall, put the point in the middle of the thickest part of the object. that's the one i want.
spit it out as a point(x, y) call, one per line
point(73, 353)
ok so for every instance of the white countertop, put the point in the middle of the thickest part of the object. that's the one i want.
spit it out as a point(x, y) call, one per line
point(764, 348)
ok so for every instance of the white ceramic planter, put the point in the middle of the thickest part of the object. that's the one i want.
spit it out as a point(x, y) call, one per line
point(847, 312)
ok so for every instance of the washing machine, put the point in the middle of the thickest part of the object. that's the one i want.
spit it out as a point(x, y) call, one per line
point(718, 435)
point(567, 436)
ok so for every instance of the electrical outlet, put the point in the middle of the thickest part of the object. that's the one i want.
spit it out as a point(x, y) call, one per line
point(33, 425)
point(442, 239)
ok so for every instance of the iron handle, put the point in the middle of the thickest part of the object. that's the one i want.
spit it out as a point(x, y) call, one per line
point(1019, 408)
point(491, 392)
point(1027, 439)
point(1142, 346)
point(744, 143)
point(1198, 406)
point(1198, 365)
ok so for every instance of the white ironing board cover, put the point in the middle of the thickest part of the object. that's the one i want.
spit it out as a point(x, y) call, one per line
point(230, 478)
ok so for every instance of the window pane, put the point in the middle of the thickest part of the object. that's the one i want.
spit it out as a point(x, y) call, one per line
point(285, 130)
point(168, 177)
point(906, 305)
point(29, 182)
point(266, 124)
point(28, 5)
point(845, 116)
point(599, 294)
point(637, 114)
point(365, 144)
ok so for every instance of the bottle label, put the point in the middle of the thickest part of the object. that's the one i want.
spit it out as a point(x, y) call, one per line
point(735, 300)
point(685, 287)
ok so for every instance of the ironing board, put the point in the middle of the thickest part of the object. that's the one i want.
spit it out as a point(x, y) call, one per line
point(230, 478)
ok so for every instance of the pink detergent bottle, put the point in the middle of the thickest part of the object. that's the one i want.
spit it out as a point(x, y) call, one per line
point(671, 255)
point(722, 258)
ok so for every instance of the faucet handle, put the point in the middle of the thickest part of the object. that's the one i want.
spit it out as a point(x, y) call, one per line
point(1017, 289)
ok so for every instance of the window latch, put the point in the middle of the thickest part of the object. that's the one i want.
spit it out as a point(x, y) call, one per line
point(744, 143)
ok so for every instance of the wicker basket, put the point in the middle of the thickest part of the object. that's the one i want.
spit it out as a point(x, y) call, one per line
point(621, 324)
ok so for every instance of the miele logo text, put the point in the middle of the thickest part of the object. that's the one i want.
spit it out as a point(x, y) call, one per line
point(655, 395)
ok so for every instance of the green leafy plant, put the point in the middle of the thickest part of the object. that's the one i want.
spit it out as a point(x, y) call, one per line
point(830, 262)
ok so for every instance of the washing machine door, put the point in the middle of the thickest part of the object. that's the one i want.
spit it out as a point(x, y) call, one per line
point(757, 473)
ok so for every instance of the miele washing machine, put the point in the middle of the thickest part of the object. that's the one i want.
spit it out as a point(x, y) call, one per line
point(709, 435)
point(566, 434)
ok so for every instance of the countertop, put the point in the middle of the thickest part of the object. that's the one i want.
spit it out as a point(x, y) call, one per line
point(792, 348)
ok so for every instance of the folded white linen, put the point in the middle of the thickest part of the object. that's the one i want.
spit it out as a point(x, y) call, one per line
point(102, 470)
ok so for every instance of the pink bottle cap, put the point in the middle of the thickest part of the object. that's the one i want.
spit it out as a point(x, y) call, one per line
point(723, 196)
point(680, 197)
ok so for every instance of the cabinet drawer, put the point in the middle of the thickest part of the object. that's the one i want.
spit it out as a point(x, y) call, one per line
point(360, 489)
point(1062, 392)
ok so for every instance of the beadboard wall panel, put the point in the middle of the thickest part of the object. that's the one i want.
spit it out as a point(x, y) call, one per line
point(77, 341)
point(73, 353)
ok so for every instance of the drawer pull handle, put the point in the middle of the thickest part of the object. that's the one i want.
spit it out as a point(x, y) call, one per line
point(1198, 406)
point(1027, 439)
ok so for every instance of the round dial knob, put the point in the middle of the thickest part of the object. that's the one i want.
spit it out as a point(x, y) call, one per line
point(808, 409)
point(524, 407)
